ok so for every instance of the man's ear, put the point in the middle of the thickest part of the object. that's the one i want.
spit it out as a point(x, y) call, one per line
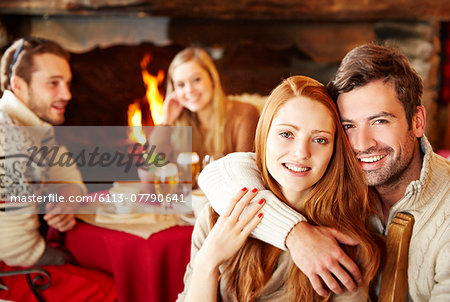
point(18, 86)
point(419, 121)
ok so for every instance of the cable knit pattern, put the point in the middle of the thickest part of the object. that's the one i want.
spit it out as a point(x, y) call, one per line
point(20, 241)
point(427, 198)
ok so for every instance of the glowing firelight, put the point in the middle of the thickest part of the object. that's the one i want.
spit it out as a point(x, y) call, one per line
point(135, 121)
point(154, 98)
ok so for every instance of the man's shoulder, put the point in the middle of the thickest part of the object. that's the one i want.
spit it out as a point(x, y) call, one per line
point(5, 118)
point(435, 197)
point(440, 168)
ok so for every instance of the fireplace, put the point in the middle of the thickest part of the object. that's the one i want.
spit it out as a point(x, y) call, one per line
point(254, 47)
point(106, 81)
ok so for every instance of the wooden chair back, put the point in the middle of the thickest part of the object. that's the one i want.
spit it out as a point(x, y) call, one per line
point(394, 278)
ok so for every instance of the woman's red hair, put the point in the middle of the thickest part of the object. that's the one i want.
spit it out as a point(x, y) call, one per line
point(340, 199)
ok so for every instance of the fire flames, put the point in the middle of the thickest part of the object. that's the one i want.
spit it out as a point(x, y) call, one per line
point(135, 121)
point(154, 99)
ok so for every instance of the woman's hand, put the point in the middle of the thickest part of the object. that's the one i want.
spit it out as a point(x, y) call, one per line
point(171, 109)
point(226, 237)
point(231, 230)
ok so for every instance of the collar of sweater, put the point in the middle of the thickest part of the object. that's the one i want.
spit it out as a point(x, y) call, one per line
point(430, 186)
point(416, 186)
point(431, 180)
point(19, 111)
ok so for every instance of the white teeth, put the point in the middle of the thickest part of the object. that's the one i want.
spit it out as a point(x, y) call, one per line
point(296, 169)
point(371, 159)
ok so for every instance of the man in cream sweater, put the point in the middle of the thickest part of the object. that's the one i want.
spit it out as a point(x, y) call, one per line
point(35, 79)
point(378, 95)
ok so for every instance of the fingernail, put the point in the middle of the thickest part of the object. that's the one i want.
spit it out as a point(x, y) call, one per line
point(244, 189)
point(261, 201)
point(254, 190)
point(259, 215)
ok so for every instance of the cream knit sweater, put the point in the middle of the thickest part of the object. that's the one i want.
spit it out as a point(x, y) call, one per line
point(427, 198)
point(275, 289)
point(20, 241)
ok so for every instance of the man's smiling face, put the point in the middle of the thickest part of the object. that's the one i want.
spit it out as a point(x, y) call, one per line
point(48, 93)
point(376, 126)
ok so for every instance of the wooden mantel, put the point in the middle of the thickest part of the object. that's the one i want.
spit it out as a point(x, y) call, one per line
point(241, 9)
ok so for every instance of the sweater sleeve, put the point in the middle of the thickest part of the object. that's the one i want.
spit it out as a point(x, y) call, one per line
point(222, 179)
point(201, 231)
point(62, 175)
point(441, 289)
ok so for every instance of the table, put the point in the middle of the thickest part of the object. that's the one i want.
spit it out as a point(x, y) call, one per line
point(144, 270)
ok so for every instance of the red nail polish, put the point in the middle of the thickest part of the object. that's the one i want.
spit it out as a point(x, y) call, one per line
point(244, 189)
point(254, 190)
point(259, 215)
point(261, 201)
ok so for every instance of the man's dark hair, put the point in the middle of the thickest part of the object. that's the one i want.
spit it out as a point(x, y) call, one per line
point(18, 58)
point(372, 62)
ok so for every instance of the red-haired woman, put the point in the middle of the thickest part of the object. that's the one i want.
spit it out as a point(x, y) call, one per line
point(306, 161)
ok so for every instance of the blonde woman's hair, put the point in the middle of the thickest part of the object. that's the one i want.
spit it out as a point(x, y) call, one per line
point(214, 141)
point(340, 199)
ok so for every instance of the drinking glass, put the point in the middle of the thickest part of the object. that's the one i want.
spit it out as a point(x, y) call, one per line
point(166, 183)
point(189, 164)
point(207, 159)
point(195, 168)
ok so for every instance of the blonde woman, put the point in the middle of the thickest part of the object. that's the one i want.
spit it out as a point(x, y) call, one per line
point(195, 98)
point(306, 161)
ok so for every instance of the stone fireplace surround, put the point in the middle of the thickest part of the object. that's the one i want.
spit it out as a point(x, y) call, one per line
point(252, 55)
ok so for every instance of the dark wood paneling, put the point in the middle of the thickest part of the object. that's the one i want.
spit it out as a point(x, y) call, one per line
point(243, 9)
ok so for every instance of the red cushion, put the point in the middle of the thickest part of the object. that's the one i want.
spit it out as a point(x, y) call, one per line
point(444, 153)
point(68, 283)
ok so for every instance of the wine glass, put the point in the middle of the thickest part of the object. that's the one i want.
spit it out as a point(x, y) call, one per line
point(166, 183)
point(207, 159)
